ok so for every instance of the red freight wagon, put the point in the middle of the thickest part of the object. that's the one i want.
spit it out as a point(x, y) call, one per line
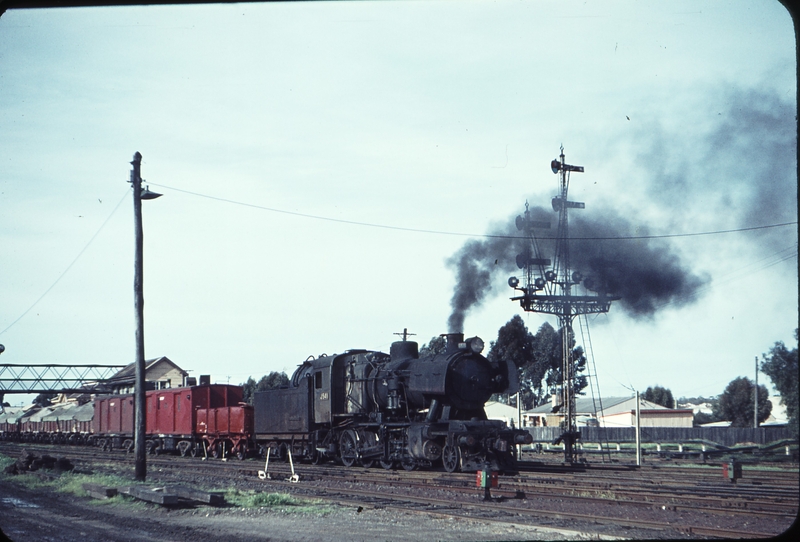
point(170, 419)
point(113, 415)
point(113, 421)
point(226, 429)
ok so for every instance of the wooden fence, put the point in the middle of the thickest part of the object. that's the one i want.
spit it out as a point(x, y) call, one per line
point(725, 436)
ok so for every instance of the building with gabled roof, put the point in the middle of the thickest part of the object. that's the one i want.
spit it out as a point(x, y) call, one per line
point(501, 411)
point(159, 373)
point(611, 412)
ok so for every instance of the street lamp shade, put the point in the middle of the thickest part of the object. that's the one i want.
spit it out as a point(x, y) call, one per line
point(147, 194)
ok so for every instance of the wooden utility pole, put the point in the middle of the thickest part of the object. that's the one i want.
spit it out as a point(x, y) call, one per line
point(638, 432)
point(138, 293)
point(755, 399)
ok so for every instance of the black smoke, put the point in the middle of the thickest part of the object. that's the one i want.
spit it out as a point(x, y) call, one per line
point(477, 265)
point(735, 167)
point(741, 169)
point(645, 273)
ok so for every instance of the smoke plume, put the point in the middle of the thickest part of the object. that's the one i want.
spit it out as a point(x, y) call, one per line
point(646, 274)
point(738, 170)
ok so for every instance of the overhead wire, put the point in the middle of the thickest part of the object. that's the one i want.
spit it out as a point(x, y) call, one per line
point(465, 234)
point(389, 227)
point(69, 266)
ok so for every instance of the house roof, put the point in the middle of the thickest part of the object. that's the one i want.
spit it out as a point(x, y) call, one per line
point(128, 373)
point(584, 405)
point(493, 408)
point(605, 406)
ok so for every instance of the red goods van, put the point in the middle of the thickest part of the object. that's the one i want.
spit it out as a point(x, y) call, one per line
point(172, 419)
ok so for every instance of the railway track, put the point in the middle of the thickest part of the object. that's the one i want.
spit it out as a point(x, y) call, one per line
point(670, 499)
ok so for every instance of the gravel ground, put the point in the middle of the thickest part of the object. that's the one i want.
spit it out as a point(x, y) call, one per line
point(41, 516)
point(45, 515)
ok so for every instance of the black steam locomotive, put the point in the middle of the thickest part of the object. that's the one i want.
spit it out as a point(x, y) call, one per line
point(363, 407)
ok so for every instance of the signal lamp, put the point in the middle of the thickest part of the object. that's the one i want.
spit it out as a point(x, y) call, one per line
point(577, 277)
point(539, 283)
point(513, 282)
point(550, 275)
point(555, 165)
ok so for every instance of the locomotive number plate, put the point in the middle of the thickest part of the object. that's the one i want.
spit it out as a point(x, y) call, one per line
point(324, 396)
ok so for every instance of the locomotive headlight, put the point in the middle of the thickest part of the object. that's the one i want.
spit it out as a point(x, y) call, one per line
point(475, 344)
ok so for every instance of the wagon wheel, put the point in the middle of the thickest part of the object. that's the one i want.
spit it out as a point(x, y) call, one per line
point(388, 465)
point(408, 464)
point(216, 450)
point(183, 447)
point(241, 451)
point(317, 457)
point(451, 457)
point(367, 463)
point(195, 449)
point(347, 448)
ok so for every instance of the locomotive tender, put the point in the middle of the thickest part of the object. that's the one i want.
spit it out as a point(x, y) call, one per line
point(364, 406)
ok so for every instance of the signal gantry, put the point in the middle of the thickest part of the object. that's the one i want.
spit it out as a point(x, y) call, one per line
point(547, 289)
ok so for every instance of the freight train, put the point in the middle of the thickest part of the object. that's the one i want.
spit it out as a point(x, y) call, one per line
point(359, 408)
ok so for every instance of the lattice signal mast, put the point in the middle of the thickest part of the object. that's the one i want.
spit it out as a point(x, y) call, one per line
point(547, 289)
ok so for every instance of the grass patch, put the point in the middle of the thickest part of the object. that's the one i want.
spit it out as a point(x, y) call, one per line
point(69, 482)
point(73, 483)
point(6, 461)
point(281, 502)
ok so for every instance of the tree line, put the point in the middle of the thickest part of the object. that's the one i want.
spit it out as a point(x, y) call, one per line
point(537, 357)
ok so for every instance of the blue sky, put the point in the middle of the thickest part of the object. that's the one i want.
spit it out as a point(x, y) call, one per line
point(298, 144)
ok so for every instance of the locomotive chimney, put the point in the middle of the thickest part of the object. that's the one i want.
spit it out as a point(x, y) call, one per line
point(453, 341)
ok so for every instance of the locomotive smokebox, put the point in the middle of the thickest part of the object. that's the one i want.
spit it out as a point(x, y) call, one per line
point(404, 350)
point(453, 340)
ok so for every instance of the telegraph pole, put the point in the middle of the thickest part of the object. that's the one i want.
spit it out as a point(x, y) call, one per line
point(755, 399)
point(138, 303)
point(138, 293)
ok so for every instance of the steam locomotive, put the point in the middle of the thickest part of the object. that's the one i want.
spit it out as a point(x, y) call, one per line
point(359, 407)
point(362, 407)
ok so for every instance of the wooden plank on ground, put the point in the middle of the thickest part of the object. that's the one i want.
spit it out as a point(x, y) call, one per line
point(150, 495)
point(208, 497)
point(99, 492)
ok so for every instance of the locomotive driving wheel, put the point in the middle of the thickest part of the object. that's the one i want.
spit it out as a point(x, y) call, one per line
point(348, 450)
point(388, 465)
point(451, 457)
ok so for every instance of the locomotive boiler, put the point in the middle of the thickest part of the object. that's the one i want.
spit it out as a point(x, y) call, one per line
point(362, 407)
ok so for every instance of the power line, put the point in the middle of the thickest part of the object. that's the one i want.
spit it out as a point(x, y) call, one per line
point(69, 266)
point(462, 234)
